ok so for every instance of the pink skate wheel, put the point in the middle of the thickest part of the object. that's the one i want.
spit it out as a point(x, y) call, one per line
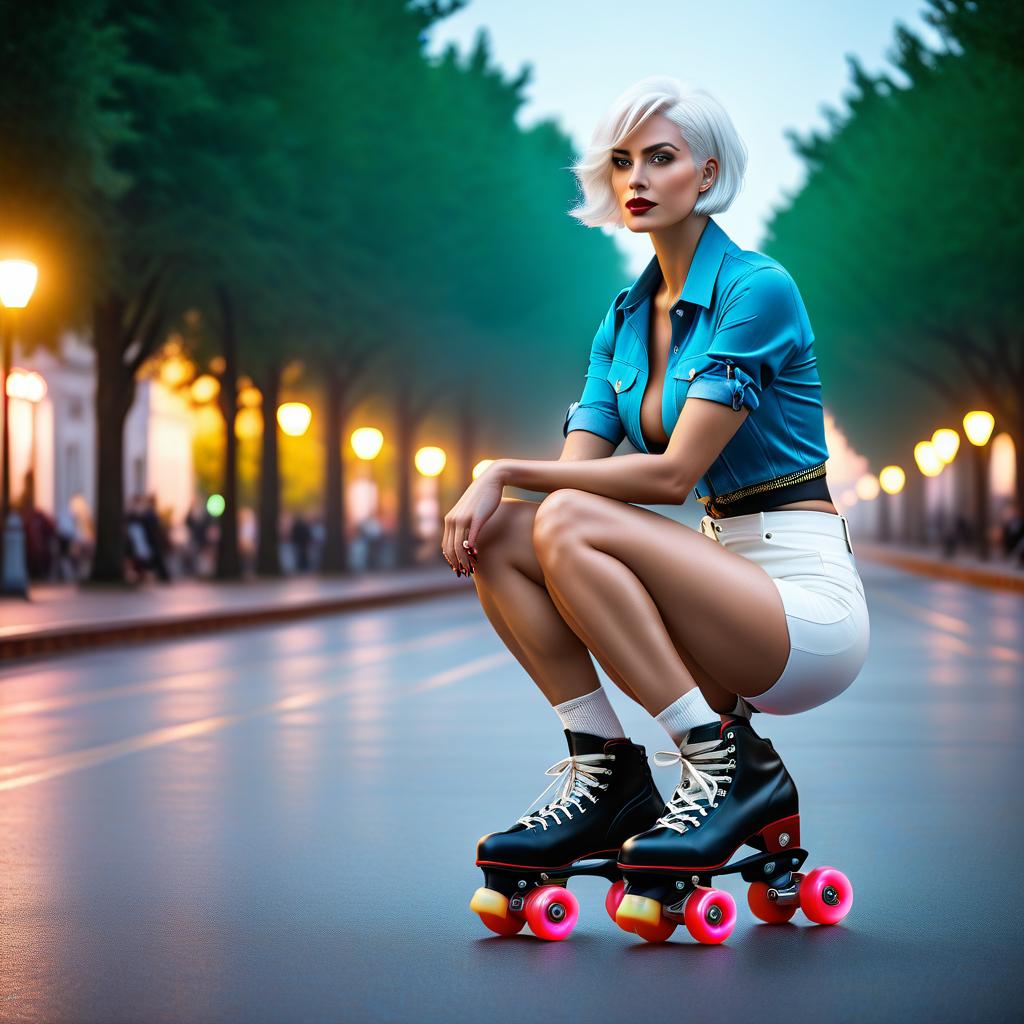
point(551, 912)
point(826, 896)
point(614, 898)
point(710, 915)
point(765, 909)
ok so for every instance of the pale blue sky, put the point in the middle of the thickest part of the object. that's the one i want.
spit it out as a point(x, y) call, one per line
point(772, 64)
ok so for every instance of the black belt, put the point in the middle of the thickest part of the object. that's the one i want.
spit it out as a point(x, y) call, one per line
point(766, 495)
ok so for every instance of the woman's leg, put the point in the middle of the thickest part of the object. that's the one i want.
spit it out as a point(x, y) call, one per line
point(647, 589)
point(512, 592)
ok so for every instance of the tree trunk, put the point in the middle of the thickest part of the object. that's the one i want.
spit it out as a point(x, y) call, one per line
point(405, 428)
point(115, 392)
point(1017, 433)
point(268, 559)
point(229, 566)
point(335, 553)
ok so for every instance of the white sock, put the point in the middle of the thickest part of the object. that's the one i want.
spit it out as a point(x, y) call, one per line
point(685, 714)
point(591, 713)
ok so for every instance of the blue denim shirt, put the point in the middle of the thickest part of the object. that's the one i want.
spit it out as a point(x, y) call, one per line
point(740, 336)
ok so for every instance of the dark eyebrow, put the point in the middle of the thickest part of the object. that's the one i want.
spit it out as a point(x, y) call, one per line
point(649, 149)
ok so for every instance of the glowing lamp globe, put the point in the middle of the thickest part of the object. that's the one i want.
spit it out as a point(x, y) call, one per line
point(481, 466)
point(978, 427)
point(946, 443)
point(17, 282)
point(927, 459)
point(294, 418)
point(205, 389)
point(248, 423)
point(892, 479)
point(430, 461)
point(175, 371)
point(249, 396)
point(26, 385)
point(866, 488)
point(366, 442)
point(215, 505)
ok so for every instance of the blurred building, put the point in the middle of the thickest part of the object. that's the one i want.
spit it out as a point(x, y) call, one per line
point(57, 435)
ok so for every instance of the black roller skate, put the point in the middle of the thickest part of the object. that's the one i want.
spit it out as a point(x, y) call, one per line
point(734, 789)
point(607, 795)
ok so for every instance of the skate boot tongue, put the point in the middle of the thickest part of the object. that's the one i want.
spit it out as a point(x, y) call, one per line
point(584, 743)
point(703, 733)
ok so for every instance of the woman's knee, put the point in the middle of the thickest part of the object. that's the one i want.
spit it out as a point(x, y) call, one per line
point(507, 534)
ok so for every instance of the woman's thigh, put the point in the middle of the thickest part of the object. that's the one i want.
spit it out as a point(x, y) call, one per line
point(721, 608)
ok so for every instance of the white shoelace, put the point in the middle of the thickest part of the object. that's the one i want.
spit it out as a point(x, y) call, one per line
point(583, 771)
point(701, 764)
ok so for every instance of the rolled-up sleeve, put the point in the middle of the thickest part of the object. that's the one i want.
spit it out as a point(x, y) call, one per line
point(761, 326)
point(597, 410)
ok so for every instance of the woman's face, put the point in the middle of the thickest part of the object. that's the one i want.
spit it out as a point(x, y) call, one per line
point(656, 165)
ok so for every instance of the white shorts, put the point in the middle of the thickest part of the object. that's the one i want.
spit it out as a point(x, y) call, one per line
point(809, 556)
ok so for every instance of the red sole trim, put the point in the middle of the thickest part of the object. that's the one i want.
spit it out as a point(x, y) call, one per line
point(541, 867)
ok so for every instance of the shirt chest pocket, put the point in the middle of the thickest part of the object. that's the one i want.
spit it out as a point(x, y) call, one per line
point(622, 377)
point(690, 368)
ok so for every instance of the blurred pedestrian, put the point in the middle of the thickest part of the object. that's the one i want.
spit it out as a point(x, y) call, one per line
point(85, 534)
point(301, 537)
point(197, 526)
point(138, 548)
point(156, 535)
point(66, 568)
point(1011, 531)
point(40, 533)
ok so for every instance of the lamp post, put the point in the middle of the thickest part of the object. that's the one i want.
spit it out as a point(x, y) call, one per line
point(978, 428)
point(367, 443)
point(891, 479)
point(17, 283)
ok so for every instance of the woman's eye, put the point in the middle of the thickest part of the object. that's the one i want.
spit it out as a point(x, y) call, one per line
point(621, 161)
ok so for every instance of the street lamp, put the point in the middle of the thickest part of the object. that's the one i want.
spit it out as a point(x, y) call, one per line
point(17, 283)
point(294, 418)
point(978, 426)
point(891, 479)
point(367, 444)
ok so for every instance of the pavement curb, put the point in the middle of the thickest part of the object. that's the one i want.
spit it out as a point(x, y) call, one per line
point(926, 566)
point(49, 640)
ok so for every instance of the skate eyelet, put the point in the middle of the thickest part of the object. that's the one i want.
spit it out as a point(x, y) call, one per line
point(729, 735)
point(731, 750)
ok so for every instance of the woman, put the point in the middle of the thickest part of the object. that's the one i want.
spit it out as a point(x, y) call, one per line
point(706, 364)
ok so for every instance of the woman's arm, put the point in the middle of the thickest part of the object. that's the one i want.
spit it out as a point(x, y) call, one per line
point(701, 432)
point(645, 479)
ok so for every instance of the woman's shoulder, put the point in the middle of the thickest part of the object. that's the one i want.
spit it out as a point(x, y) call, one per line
point(742, 263)
point(756, 277)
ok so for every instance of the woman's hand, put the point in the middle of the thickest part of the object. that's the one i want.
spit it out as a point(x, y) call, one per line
point(462, 524)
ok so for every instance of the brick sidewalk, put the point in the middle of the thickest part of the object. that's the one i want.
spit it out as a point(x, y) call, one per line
point(66, 616)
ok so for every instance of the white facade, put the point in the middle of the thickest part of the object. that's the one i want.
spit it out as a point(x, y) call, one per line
point(59, 432)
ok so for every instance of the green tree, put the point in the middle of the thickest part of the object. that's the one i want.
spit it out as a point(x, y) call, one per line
point(904, 238)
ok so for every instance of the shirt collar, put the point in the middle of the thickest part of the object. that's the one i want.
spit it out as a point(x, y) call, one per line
point(700, 278)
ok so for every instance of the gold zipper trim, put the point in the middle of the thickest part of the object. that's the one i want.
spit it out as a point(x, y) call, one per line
point(796, 477)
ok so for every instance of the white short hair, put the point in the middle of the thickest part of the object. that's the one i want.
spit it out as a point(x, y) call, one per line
point(703, 124)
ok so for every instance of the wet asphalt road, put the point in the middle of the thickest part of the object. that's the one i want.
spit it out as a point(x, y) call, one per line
point(279, 825)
